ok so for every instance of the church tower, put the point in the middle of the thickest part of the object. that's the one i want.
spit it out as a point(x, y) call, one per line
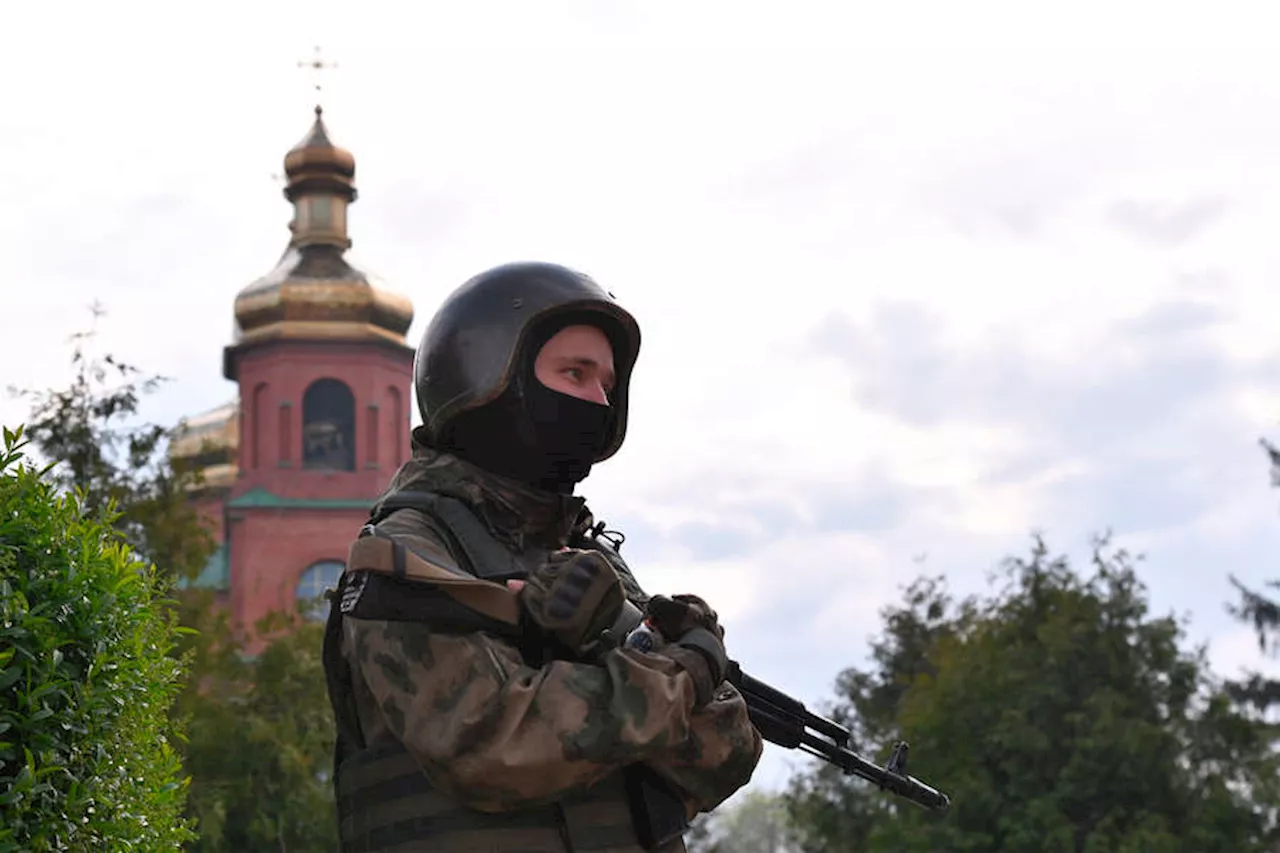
point(324, 376)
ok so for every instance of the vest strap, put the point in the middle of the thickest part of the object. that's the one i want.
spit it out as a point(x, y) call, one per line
point(481, 551)
point(382, 554)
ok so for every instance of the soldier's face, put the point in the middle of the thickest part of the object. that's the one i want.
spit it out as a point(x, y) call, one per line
point(578, 361)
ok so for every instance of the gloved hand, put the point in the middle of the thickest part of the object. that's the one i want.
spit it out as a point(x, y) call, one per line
point(696, 640)
point(574, 596)
point(682, 613)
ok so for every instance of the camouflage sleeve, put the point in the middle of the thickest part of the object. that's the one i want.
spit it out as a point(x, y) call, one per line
point(723, 748)
point(496, 734)
point(718, 757)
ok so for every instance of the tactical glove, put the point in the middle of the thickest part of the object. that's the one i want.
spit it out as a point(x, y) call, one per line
point(574, 596)
point(679, 614)
point(697, 640)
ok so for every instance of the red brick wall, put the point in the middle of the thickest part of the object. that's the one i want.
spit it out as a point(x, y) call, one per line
point(273, 380)
point(270, 548)
point(273, 547)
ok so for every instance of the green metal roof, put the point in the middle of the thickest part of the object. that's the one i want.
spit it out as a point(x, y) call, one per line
point(260, 498)
point(216, 573)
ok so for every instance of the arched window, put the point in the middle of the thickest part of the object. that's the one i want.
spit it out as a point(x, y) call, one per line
point(312, 585)
point(329, 426)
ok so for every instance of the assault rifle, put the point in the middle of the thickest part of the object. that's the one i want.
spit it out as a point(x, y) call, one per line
point(786, 722)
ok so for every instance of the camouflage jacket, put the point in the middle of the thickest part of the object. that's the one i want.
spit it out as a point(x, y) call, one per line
point(496, 734)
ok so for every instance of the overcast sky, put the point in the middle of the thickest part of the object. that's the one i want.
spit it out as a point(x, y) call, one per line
point(912, 280)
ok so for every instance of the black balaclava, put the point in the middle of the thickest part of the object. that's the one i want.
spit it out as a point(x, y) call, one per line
point(531, 433)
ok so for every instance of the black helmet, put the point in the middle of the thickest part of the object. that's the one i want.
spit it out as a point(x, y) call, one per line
point(477, 339)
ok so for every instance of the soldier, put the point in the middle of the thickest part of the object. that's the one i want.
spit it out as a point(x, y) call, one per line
point(477, 707)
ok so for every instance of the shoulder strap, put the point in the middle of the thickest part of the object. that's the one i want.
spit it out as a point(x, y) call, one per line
point(377, 552)
point(482, 554)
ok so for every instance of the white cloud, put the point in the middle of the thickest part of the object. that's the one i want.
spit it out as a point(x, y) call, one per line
point(1235, 654)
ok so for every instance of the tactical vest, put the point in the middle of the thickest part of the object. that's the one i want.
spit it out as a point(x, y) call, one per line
point(385, 802)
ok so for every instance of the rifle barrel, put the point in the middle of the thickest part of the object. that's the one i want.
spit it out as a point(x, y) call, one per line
point(899, 783)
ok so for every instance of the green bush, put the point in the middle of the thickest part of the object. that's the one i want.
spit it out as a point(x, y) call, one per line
point(87, 679)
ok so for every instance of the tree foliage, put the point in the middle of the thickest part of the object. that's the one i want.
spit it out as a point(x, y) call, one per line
point(86, 677)
point(1262, 612)
point(261, 750)
point(259, 744)
point(90, 433)
point(756, 823)
point(1059, 715)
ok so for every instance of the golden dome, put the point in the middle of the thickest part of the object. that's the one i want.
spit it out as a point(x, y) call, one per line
point(316, 163)
point(314, 293)
point(209, 443)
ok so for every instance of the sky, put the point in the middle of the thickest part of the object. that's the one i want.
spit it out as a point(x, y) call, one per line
point(915, 281)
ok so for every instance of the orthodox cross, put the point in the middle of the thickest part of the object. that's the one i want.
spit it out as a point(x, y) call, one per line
point(317, 66)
